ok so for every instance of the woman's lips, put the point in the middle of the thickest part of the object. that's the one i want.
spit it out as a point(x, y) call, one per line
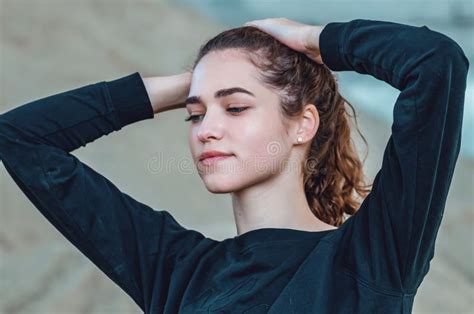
point(213, 160)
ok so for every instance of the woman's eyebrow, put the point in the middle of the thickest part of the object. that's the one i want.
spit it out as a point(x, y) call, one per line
point(218, 94)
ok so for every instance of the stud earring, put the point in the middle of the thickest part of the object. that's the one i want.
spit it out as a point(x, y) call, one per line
point(299, 139)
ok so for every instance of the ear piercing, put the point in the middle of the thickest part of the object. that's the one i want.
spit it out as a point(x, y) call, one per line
point(299, 139)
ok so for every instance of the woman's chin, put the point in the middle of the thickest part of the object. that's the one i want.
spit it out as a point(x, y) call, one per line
point(218, 184)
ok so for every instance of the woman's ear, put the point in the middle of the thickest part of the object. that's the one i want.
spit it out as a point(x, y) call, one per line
point(307, 125)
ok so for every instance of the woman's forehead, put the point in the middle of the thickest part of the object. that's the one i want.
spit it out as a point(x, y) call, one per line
point(224, 65)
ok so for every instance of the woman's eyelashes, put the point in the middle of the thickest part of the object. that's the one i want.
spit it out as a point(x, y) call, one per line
point(194, 118)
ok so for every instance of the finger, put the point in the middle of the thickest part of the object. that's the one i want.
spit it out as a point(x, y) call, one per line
point(257, 23)
point(260, 25)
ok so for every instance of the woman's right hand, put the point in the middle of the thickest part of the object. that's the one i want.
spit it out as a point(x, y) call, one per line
point(298, 36)
point(168, 92)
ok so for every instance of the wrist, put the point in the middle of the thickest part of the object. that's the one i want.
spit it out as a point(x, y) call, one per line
point(312, 40)
point(167, 92)
point(150, 86)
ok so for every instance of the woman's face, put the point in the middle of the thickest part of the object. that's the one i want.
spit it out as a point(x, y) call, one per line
point(256, 138)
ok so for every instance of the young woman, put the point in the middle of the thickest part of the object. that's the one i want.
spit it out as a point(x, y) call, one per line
point(263, 96)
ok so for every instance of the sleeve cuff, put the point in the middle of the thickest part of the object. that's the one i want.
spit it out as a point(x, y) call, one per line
point(130, 99)
point(330, 43)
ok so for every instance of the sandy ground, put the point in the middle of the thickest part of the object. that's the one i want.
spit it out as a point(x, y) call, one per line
point(52, 46)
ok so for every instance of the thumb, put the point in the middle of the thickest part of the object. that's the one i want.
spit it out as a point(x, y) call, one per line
point(251, 23)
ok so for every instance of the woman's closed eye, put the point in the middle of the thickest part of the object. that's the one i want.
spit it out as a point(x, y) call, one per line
point(194, 118)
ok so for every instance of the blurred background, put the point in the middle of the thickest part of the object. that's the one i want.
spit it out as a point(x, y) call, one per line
point(49, 46)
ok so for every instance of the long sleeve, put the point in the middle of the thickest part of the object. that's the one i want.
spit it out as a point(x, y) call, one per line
point(391, 239)
point(131, 243)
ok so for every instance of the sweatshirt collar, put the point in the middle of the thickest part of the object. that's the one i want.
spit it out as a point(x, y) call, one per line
point(270, 235)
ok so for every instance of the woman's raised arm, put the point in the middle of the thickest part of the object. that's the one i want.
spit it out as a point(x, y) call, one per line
point(392, 237)
point(131, 243)
point(390, 241)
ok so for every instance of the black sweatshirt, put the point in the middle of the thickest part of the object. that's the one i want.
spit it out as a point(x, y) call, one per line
point(373, 263)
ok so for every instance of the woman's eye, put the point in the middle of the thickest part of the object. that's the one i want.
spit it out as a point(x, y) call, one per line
point(194, 118)
point(238, 109)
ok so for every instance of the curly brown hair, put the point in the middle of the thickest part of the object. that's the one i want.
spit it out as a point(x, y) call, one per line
point(333, 175)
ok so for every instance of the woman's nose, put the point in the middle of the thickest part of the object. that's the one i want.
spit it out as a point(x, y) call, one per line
point(210, 127)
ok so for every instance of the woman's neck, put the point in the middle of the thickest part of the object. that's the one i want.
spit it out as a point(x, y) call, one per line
point(278, 202)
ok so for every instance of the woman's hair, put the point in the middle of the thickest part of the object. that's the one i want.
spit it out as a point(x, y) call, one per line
point(332, 172)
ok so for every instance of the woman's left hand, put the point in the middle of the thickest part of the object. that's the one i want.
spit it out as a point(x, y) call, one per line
point(300, 37)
